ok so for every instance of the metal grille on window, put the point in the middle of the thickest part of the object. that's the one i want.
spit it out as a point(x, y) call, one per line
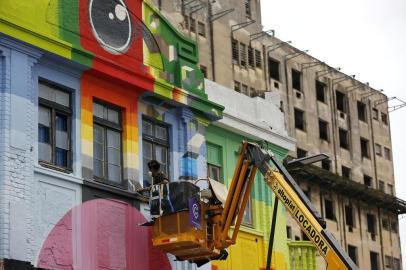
point(234, 47)
point(54, 114)
point(251, 57)
point(107, 144)
point(155, 146)
point(258, 59)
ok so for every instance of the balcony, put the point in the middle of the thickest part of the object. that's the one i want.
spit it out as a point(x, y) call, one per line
point(302, 255)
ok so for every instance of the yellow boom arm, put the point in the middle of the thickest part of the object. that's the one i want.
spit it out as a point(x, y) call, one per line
point(252, 158)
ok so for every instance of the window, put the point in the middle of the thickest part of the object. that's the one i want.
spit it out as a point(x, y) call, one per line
point(214, 172)
point(253, 92)
point(367, 180)
point(243, 54)
point(54, 126)
point(352, 253)
point(247, 218)
point(251, 61)
point(388, 262)
point(296, 80)
point(201, 29)
point(386, 224)
point(374, 260)
point(244, 89)
point(248, 12)
point(362, 111)
point(326, 164)
point(364, 148)
point(396, 264)
point(382, 186)
point(273, 69)
point(390, 189)
point(378, 149)
point(308, 193)
point(107, 143)
point(384, 118)
point(323, 130)
point(341, 101)
point(288, 232)
point(300, 153)
point(375, 114)
point(234, 48)
point(204, 71)
point(258, 59)
point(237, 86)
point(300, 119)
point(155, 145)
point(192, 25)
point(387, 153)
point(186, 22)
point(346, 172)
point(329, 209)
point(371, 223)
point(394, 226)
point(349, 216)
point(344, 139)
point(321, 91)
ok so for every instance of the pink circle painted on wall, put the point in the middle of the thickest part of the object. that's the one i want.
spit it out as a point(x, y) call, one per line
point(101, 234)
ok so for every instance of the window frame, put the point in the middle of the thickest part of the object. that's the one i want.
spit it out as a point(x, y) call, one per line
point(56, 108)
point(150, 139)
point(272, 62)
point(108, 125)
point(303, 119)
point(366, 154)
point(209, 166)
point(201, 29)
point(331, 216)
point(327, 133)
point(318, 91)
point(362, 111)
point(295, 73)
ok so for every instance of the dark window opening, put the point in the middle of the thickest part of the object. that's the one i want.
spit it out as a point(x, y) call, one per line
point(365, 153)
point(375, 114)
point(107, 144)
point(251, 61)
point(258, 59)
point(371, 226)
point(273, 69)
point(321, 91)
point(387, 153)
point(201, 29)
point(192, 25)
point(388, 262)
point(329, 209)
point(300, 153)
point(394, 226)
point(54, 127)
point(296, 80)
point(349, 215)
point(346, 172)
point(204, 71)
point(367, 180)
point(323, 130)
point(381, 186)
point(362, 111)
point(341, 101)
point(352, 253)
point(244, 90)
point(304, 237)
point(234, 47)
point(248, 11)
point(237, 86)
point(385, 224)
point(344, 139)
point(155, 146)
point(384, 118)
point(300, 120)
point(326, 165)
point(214, 172)
point(374, 259)
point(288, 232)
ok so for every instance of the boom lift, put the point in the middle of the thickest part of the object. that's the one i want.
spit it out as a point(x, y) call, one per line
point(210, 237)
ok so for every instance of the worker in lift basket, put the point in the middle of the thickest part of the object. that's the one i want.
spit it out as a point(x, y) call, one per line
point(160, 202)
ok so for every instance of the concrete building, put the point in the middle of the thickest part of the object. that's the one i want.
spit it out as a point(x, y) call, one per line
point(325, 111)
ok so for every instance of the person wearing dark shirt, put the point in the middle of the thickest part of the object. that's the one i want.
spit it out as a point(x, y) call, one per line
point(158, 177)
point(159, 190)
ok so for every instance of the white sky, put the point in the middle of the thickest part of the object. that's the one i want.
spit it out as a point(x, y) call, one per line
point(363, 37)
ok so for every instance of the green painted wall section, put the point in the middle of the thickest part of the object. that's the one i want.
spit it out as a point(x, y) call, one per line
point(223, 150)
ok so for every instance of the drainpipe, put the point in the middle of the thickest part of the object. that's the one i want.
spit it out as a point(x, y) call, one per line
point(334, 120)
point(211, 26)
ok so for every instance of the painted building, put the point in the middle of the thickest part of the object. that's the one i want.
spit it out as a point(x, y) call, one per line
point(91, 91)
point(251, 122)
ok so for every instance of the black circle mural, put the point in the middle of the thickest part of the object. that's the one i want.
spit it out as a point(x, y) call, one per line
point(111, 24)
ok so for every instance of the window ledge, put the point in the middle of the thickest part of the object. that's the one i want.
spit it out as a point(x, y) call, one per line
point(246, 229)
point(58, 174)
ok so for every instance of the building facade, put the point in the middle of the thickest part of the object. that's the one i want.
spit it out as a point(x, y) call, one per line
point(325, 111)
point(92, 90)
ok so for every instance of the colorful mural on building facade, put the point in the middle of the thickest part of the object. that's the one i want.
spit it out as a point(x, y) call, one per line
point(132, 58)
